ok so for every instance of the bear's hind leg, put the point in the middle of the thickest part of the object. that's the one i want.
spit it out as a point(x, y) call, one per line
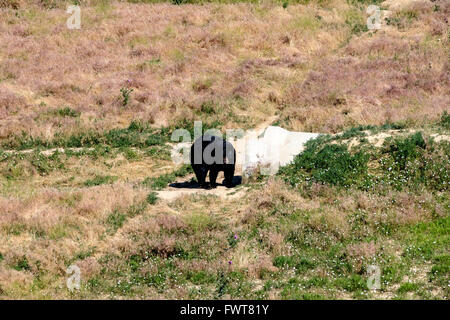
point(229, 174)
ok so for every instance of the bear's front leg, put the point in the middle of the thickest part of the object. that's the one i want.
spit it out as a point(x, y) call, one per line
point(200, 173)
point(213, 177)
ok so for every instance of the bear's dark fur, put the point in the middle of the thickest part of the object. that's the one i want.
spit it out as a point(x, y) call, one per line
point(204, 159)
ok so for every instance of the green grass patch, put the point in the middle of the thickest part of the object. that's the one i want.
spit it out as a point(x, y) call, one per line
point(115, 221)
point(407, 287)
point(298, 263)
point(99, 180)
point(331, 163)
point(352, 283)
point(137, 134)
point(427, 239)
point(162, 181)
point(409, 162)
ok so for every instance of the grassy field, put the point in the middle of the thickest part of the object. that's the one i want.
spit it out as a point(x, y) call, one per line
point(85, 123)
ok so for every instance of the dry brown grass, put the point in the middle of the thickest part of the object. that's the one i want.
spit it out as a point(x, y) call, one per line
point(51, 227)
point(235, 56)
point(301, 62)
point(378, 79)
point(361, 253)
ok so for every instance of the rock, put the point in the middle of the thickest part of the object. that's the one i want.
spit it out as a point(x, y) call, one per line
point(274, 148)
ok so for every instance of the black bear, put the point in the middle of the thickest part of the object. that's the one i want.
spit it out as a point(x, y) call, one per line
point(213, 154)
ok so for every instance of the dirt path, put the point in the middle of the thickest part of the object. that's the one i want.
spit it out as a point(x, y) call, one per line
point(171, 193)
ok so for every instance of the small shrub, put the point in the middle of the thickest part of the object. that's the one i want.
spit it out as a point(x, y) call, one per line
point(208, 108)
point(22, 264)
point(445, 120)
point(135, 262)
point(125, 95)
point(233, 240)
point(45, 165)
point(137, 126)
point(67, 112)
point(152, 197)
point(355, 20)
point(130, 154)
point(115, 221)
point(411, 162)
point(183, 170)
point(403, 150)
